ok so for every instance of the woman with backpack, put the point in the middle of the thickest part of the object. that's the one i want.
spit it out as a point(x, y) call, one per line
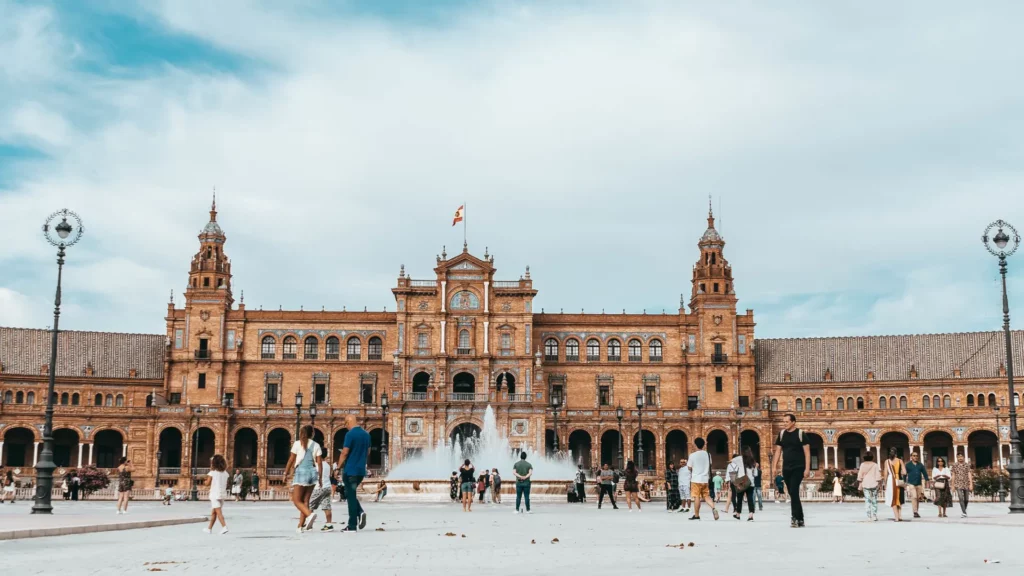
point(741, 480)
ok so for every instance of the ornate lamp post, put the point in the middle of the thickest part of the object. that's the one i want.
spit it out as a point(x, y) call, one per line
point(999, 451)
point(640, 433)
point(197, 411)
point(619, 413)
point(298, 413)
point(384, 442)
point(62, 235)
point(556, 405)
point(158, 455)
point(1002, 245)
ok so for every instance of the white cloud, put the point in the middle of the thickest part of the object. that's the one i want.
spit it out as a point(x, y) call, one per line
point(15, 308)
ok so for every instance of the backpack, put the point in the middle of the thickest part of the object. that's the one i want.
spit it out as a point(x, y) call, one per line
point(581, 478)
point(798, 430)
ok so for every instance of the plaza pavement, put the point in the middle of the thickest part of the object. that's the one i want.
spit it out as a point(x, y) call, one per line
point(407, 538)
point(17, 521)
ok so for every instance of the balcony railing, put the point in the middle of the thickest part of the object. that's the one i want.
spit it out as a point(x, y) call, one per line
point(463, 351)
point(468, 397)
point(275, 471)
point(289, 356)
point(268, 356)
point(574, 358)
point(635, 358)
point(518, 397)
point(415, 396)
point(614, 358)
point(308, 356)
point(423, 283)
point(593, 357)
point(330, 356)
point(374, 356)
point(202, 354)
point(655, 358)
point(551, 357)
point(719, 358)
point(506, 284)
point(351, 356)
point(170, 471)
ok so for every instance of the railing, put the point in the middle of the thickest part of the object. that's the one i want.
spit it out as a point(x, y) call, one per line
point(351, 356)
point(423, 283)
point(330, 356)
point(575, 358)
point(506, 284)
point(415, 396)
point(202, 354)
point(719, 358)
point(550, 358)
point(468, 397)
point(313, 356)
point(463, 351)
point(635, 358)
point(373, 356)
point(518, 397)
point(275, 471)
point(615, 358)
point(655, 358)
point(170, 471)
point(595, 358)
point(268, 356)
point(289, 356)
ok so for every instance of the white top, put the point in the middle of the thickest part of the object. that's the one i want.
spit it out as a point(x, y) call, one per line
point(325, 476)
point(684, 476)
point(218, 484)
point(300, 453)
point(736, 467)
point(944, 473)
point(699, 464)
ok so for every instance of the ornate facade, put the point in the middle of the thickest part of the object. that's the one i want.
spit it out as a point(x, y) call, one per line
point(227, 379)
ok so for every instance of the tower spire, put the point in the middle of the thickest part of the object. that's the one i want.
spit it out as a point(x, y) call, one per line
point(711, 214)
point(213, 206)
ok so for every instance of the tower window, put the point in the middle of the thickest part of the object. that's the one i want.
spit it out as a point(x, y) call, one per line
point(718, 383)
point(712, 257)
point(220, 282)
point(202, 381)
point(206, 282)
point(702, 288)
point(195, 282)
point(716, 286)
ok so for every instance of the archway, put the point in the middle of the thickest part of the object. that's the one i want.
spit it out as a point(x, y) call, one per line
point(817, 450)
point(982, 449)
point(851, 446)
point(676, 446)
point(279, 446)
point(579, 448)
point(202, 447)
point(610, 442)
point(107, 448)
point(18, 446)
point(648, 462)
point(937, 444)
point(420, 382)
point(339, 442)
point(375, 458)
point(464, 432)
point(170, 448)
point(463, 383)
point(319, 438)
point(65, 448)
point(246, 442)
point(718, 448)
point(549, 442)
point(505, 380)
point(751, 439)
point(897, 440)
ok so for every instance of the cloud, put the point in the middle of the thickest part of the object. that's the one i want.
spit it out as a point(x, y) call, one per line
point(846, 156)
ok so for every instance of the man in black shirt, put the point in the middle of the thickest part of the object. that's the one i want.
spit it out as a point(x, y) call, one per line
point(796, 465)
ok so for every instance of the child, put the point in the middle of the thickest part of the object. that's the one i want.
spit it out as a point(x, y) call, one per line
point(218, 492)
point(168, 494)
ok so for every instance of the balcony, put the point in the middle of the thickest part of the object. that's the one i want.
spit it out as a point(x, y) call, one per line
point(170, 471)
point(635, 358)
point(423, 283)
point(464, 351)
point(614, 358)
point(593, 357)
point(308, 356)
point(202, 354)
point(415, 396)
point(289, 356)
point(332, 356)
point(468, 397)
point(374, 356)
point(551, 357)
point(655, 358)
point(518, 397)
point(719, 358)
point(275, 472)
point(268, 356)
point(573, 358)
point(506, 283)
point(356, 356)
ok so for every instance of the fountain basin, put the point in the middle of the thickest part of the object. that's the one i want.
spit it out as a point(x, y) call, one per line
point(439, 491)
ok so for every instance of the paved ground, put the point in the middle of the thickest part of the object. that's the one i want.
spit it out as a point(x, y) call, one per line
point(16, 521)
point(262, 541)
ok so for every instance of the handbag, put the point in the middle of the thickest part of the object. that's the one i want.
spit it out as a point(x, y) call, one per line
point(940, 484)
point(741, 483)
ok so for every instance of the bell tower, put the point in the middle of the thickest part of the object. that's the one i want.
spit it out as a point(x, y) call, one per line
point(209, 277)
point(712, 274)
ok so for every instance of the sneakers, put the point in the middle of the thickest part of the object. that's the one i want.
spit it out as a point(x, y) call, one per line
point(206, 531)
point(694, 517)
point(799, 523)
point(362, 520)
point(327, 528)
point(963, 514)
point(916, 515)
point(347, 530)
point(528, 512)
point(224, 530)
point(792, 523)
point(312, 518)
point(299, 530)
point(516, 512)
point(714, 512)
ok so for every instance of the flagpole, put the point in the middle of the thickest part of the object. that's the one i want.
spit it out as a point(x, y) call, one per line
point(465, 211)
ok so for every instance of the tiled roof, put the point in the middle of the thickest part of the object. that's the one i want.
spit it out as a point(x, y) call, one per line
point(933, 356)
point(112, 355)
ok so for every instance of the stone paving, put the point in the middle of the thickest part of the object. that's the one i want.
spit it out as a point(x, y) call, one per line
point(409, 538)
point(17, 521)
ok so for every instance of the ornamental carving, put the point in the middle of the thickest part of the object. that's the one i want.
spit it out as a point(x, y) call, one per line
point(872, 433)
point(520, 427)
point(830, 433)
point(414, 426)
point(465, 300)
point(959, 431)
point(423, 305)
point(915, 433)
point(506, 306)
point(205, 315)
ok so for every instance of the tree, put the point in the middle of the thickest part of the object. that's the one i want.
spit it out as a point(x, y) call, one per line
point(92, 479)
point(849, 482)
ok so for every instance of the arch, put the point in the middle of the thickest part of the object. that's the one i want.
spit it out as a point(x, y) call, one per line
point(268, 347)
point(19, 398)
point(203, 447)
point(65, 399)
point(882, 404)
point(983, 448)
point(19, 442)
point(420, 382)
point(108, 400)
point(30, 398)
point(751, 439)
point(654, 349)
point(610, 442)
point(947, 401)
point(464, 383)
point(374, 348)
point(375, 457)
point(332, 348)
point(799, 404)
point(572, 350)
point(817, 404)
point(614, 347)
point(817, 449)
point(903, 403)
point(936, 401)
point(353, 348)
point(849, 403)
point(464, 343)
point(506, 379)
point(463, 432)
point(108, 445)
point(311, 348)
point(718, 448)
point(170, 447)
point(551, 350)
point(840, 405)
point(860, 403)
point(937, 443)
point(279, 446)
point(580, 448)
point(65, 448)
point(119, 401)
point(98, 400)
point(807, 405)
point(650, 449)
point(677, 446)
point(339, 442)
point(246, 443)
point(981, 400)
point(851, 447)
point(926, 401)
point(775, 405)
point(970, 400)
point(991, 399)
point(8, 397)
point(892, 402)
point(897, 440)
point(76, 399)
point(593, 350)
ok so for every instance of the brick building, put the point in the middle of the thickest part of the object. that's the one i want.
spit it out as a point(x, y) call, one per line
point(228, 378)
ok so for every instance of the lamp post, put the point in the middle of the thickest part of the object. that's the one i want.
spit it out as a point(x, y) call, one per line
point(640, 433)
point(157, 482)
point(556, 404)
point(197, 411)
point(298, 413)
point(1002, 245)
point(619, 413)
point(999, 451)
point(384, 442)
point(62, 235)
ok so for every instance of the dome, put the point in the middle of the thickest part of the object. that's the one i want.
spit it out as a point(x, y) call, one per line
point(711, 235)
point(213, 228)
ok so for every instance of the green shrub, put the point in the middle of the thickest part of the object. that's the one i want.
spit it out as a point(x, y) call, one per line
point(986, 481)
point(849, 482)
point(92, 479)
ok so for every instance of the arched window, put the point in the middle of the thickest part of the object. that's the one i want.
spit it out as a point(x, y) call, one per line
point(614, 350)
point(268, 348)
point(807, 405)
point(881, 403)
point(119, 401)
point(65, 398)
point(8, 397)
point(572, 350)
point(551, 350)
point(947, 402)
point(799, 405)
point(30, 398)
point(1016, 399)
point(311, 348)
point(849, 403)
point(775, 405)
point(817, 403)
point(593, 350)
point(464, 342)
point(374, 348)
point(892, 402)
point(149, 400)
point(635, 350)
point(991, 399)
point(926, 402)
point(108, 400)
point(981, 399)
point(654, 351)
point(970, 400)
point(290, 348)
point(903, 402)
point(20, 397)
point(936, 403)
point(56, 398)
point(353, 348)
point(333, 348)
point(860, 403)
point(840, 404)
point(98, 400)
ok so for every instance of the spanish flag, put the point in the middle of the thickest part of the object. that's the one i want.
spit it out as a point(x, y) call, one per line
point(459, 214)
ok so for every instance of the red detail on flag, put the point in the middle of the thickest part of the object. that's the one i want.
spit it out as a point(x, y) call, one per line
point(458, 215)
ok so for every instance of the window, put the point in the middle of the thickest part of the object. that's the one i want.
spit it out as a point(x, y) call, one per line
point(604, 396)
point(775, 405)
point(206, 282)
point(572, 350)
point(593, 351)
point(229, 399)
point(635, 351)
point(551, 350)
point(614, 350)
point(1016, 399)
point(311, 348)
point(204, 349)
point(744, 401)
point(839, 404)
point(691, 345)
point(108, 400)
point(272, 397)
point(557, 395)
point(464, 342)
point(422, 340)
point(21, 398)
point(981, 399)
point(220, 282)
point(742, 343)
point(947, 402)
point(178, 337)
point(719, 356)
point(119, 401)
point(718, 383)
point(320, 392)
point(860, 403)
point(506, 341)
point(702, 289)
point(65, 398)
point(926, 402)
point(892, 402)
point(8, 397)
point(849, 402)
point(374, 349)
point(333, 348)
point(692, 402)
point(651, 396)
point(202, 381)
point(881, 403)
point(366, 395)
point(289, 348)
point(799, 405)
point(97, 401)
point(149, 400)
point(970, 400)
point(30, 398)
point(56, 398)
point(353, 349)
point(654, 351)
point(936, 402)
point(268, 348)
point(991, 399)
point(75, 399)
point(716, 287)
point(817, 404)
point(175, 398)
point(903, 402)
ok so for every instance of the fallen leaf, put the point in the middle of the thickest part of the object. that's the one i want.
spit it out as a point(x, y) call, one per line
point(554, 541)
point(533, 541)
point(463, 535)
point(379, 530)
point(690, 544)
point(449, 534)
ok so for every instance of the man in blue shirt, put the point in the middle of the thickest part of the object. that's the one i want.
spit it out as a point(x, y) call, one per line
point(917, 475)
point(352, 463)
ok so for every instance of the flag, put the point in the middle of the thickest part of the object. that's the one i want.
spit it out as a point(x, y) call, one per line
point(459, 214)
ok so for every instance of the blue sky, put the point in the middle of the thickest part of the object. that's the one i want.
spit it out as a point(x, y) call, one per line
point(856, 161)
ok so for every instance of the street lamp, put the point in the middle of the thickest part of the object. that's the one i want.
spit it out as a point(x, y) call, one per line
point(556, 404)
point(158, 455)
point(619, 413)
point(640, 434)
point(62, 235)
point(298, 412)
point(384, 442)
point(1002, 245)
point(197, 411)
point(999, 449)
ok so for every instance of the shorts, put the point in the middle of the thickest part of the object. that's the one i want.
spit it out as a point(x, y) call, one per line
point(684, 492)
point(9, 489)
point(468, 487)
point(216, 503)
point(236, 490)
point(321, 499)
point(699, 491)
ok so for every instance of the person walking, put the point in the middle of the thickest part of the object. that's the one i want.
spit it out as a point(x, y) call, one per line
point(741, 471)
point(10, 482)
point(699, 464)
point(76, 485)
point(942, 478)
point(868, 477)
point(352, 463)
point(453, 486)
point(671, 487)
point(255, 481)
point(321, 498)
point(917, 476)
point(893, 478)
point(683, 475)
point(218, 492)
point(486, 477)
point(305, 460)
point(581, 484)
point(780, 488)
point(64, 489)
point(236, 485)
point(607, 486)
point(631, 486)
point(837, 487)
point(467, 477)
point(757, 486)
point(495, 486)
point(124, 484)
point(792, 450)
point(523, 471)
point(963, 482)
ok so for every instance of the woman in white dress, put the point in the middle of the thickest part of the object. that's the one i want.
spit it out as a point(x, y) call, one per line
point(837, 487)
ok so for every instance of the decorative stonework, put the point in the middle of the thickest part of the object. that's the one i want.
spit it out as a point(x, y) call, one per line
point(423, 305)
point(1004, 432)
point(959, 431)
point(915, 433)
point(520, 427)
point(506, 306)
point(323, 333)
point(605, 335)
point(464, 300)
point(872, 433)
point(830, 433)
point(414, 426)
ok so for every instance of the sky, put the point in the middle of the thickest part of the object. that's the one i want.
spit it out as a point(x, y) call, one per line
point(854, 151)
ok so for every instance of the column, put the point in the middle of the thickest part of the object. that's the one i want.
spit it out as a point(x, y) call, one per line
point(486, 297)
point(1, 452)
point(79, 453)
point(878, 453)
point(444, 302)
point(487, 333)
point(826, 457)
point(443, 324)
point(90, 453)
point(35, 453)
point(124, 449)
